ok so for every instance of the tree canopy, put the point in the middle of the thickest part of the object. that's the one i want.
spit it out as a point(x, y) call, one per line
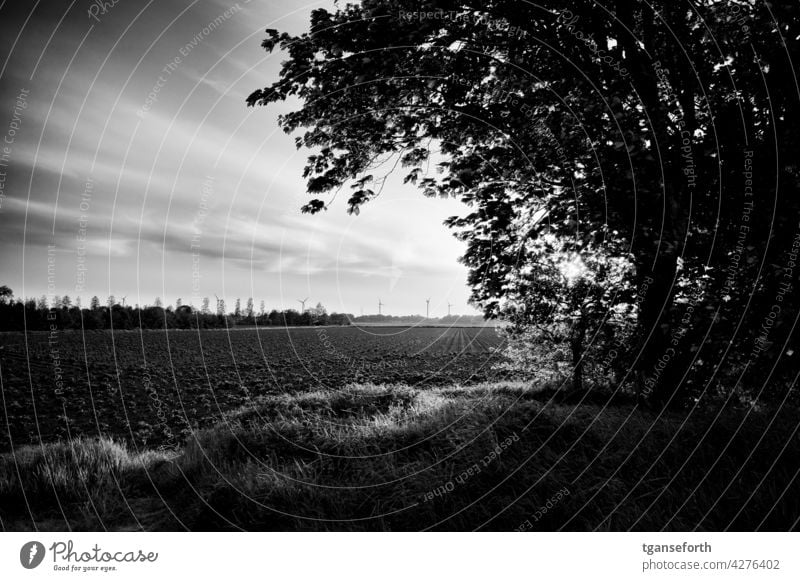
point(662, 132)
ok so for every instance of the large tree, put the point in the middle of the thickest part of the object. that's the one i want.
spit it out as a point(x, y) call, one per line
point(637, 121)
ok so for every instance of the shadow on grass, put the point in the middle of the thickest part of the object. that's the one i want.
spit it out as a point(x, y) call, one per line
point(490, 457)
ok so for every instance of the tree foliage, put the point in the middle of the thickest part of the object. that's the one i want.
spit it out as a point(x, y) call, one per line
point(568, 299)
point(662, 130)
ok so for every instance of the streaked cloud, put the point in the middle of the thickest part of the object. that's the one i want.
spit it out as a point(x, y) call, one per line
point(147, 171)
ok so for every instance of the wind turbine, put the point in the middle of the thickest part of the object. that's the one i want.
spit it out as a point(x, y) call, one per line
point(380, 304)
point(303, 303)
point(448, 308)
point(123, 300)
point(427, 308)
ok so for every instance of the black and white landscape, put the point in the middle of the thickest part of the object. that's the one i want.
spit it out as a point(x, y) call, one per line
point(400, 265)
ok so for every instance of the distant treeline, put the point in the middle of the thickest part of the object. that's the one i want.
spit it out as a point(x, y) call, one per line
point(420, 320)
point(40, 314)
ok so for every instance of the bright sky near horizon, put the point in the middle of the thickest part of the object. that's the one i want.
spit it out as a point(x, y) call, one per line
point(191, 194)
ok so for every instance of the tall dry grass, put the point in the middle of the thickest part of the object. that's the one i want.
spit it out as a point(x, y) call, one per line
point(489, 457)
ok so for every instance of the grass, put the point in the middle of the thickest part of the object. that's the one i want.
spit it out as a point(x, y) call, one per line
point(490, 457)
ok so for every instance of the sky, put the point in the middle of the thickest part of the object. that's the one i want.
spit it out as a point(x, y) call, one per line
point(131, 166)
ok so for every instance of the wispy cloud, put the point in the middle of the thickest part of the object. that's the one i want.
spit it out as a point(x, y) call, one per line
point(149, 169)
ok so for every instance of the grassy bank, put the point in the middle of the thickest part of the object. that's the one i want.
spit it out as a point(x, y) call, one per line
point(495, 457)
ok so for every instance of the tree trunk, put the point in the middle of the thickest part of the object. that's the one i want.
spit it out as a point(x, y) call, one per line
point(662, 212)
point(577, 338)
point(654, 384)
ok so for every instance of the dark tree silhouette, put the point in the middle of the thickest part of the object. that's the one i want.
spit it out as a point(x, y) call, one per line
point(36, 315)
point(641, 122)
